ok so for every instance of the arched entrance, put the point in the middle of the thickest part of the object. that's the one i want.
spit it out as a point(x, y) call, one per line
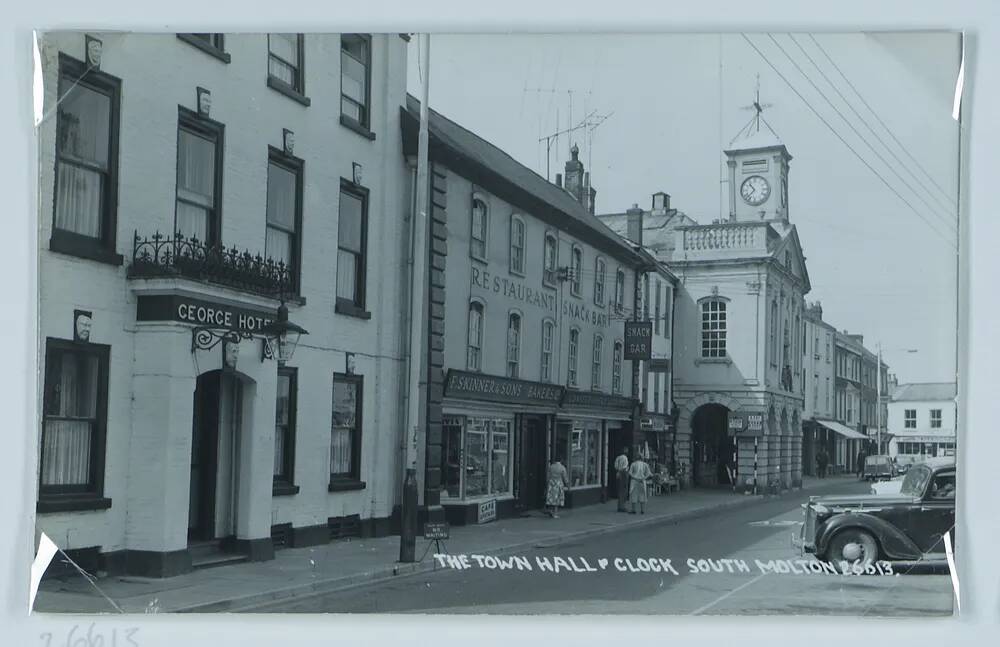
point(713, 450)
point(217, 447)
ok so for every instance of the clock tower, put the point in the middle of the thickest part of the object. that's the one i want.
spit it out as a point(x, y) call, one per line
point(757, 164)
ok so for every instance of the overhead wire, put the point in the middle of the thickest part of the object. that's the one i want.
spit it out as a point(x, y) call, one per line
point(845, 143)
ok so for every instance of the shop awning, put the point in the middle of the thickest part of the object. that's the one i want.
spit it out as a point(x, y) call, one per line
point(843, 430)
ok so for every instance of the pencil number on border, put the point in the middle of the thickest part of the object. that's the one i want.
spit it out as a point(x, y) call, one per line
point(77, 638)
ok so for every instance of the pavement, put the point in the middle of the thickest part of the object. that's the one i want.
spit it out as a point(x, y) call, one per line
point(304, 572)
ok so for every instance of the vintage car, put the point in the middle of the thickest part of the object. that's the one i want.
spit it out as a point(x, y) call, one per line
point(879, 468)
point(906, 526)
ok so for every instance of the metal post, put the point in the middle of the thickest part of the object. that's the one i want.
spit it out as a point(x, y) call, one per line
point(878, 400)
point(755, 464)
point(408, 514)
point(636, 405)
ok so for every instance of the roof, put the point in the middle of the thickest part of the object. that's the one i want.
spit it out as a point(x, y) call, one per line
point(473, 157)
point(657, 229)
point(926, 391)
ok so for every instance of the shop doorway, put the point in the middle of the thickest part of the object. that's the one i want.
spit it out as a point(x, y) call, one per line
point(215, 457)
point(616, 441)
point(713, 461)
point(533, 465)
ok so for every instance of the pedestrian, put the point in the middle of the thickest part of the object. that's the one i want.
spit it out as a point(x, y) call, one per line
point(822, 459)
point(621, 474)
point(555, 492)
point(861, 463)
point(638, 473)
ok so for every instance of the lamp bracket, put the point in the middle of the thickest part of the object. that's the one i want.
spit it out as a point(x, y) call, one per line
point(208, 337)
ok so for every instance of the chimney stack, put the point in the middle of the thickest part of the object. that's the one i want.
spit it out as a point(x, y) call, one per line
point(634, 219)
point(559, 180)
point(574, 174)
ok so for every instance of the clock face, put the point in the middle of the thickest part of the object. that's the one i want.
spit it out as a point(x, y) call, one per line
point(755, 190)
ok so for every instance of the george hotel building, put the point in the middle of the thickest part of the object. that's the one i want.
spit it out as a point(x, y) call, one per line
point(195, 188)
point(529, 293)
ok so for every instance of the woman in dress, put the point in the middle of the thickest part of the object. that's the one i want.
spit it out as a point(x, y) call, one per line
point(555, 492)
point(638, 473)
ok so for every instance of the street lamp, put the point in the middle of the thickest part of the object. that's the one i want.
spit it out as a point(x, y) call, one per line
point(281, 336)
point(878, 394)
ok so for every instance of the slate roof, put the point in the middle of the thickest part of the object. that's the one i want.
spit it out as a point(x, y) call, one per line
point(474, 151)
point(927, 391)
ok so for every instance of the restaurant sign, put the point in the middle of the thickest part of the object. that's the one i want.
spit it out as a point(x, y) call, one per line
point(465, 384)
point(172, 307)
point(638, 340)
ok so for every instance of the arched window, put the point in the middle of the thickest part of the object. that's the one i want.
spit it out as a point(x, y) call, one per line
point(475, 352)
point(551, 258)
point(599, 281)
point(577, 271)
point(620, 291)
point(513, 344)
point(713, 328)
point(574, 348)
point(480, 225)
point(548, 334)
point(516, 245)
point(595, 370)
point(616, 369)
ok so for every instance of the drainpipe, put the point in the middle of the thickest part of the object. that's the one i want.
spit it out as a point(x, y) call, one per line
point(408, 516)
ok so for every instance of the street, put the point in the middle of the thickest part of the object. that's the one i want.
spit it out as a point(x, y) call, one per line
point(758, 532)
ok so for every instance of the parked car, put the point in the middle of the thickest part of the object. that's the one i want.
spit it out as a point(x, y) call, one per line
point(879, 467)
point(903, 526)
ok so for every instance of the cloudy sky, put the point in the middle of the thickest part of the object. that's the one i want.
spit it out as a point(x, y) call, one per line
point(883, 265)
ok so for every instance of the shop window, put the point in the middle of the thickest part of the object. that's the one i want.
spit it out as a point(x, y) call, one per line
point(480, 225)
point(284, 211)
point(475, 348)
point(935, 418)
point(85, 204)
point(548, 332)
point(599, 272)
point(355, 79)
point(74, 422)
point(477, 456)
point(517, 245)
point(616, 369)
point(345, 436)
point(352, 250)
point(572, 355)
point(583, 448)
point(595, 372)
point(284, 430)
point(199, 178)
point(713, 328)
point(513, 344)
point(910, 418)
point(285, 65)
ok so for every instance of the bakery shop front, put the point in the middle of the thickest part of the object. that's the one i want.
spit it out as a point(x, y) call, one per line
point(500, 433)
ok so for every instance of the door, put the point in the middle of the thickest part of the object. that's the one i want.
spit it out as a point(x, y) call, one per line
point(934, 515)
point(615, 442)
point(204, 457)
point(533, 468)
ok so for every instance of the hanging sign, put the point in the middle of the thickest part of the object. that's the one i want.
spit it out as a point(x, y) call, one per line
point(638, 340)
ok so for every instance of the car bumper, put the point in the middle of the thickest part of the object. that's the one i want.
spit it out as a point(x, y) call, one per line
point(801, 545)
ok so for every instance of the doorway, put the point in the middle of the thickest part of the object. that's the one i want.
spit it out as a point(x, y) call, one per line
point(714, 451)
point(616, 441)
point(215, 444)
point(533, 466)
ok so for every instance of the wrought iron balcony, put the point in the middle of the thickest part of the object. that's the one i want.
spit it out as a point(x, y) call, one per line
point(161, 255)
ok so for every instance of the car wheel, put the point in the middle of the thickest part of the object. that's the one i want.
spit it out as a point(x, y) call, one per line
point(853, 546)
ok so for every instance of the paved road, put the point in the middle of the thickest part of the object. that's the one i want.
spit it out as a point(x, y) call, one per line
point(758, 532)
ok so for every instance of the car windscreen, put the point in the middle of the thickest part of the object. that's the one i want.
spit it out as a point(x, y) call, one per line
point(915, 481)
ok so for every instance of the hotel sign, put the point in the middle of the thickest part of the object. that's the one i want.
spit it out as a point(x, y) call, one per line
point(477, 386)
point(172, 307)
point(638, 340)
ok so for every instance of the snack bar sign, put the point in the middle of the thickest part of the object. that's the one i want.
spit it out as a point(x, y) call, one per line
point(638, 340)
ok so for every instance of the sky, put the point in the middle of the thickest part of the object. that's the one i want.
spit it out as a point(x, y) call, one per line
point(881, 255)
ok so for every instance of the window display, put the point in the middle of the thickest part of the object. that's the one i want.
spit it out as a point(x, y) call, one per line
point(476, 457)
point(582, 450)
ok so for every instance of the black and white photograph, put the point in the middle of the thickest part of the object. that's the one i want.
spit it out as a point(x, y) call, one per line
point(513, 324)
